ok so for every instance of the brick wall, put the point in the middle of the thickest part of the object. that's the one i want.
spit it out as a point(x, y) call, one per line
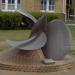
point(30, 5)
point(34, 5)
point(37, 5)
point(27, 5)
point(59, 6)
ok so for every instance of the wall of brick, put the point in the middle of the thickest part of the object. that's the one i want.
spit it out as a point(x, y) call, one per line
point(59, 6)
point(27, 5)
point(34, 5)
point(30, 5)
point(37, 4)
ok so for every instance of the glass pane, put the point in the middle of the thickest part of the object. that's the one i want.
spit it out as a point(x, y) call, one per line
point(41, 1)
point(9, 1)
point(3, 6)
point(18, 1)
point(52, 7)
point(43, 7)
point(18, 6)
point(45, 1)
point(11, 7)
point(3, 1)
point(43, 4)
point(51, 2)
point(13, 1)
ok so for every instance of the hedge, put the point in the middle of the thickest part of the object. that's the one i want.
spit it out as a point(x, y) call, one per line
point(50, 16)
point(10, 20)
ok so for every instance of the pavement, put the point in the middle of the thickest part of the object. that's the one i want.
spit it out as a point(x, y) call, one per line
point(64, 72)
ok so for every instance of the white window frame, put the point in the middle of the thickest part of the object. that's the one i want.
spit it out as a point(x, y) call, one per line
point(47, 7)
point(6, 6)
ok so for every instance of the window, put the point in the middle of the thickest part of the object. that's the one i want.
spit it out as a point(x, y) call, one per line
point(3, 1)
point(10, 5)
point(43, 4)
point(18, 4)
point(3, 4)
point(51, 5)
point(48, 5)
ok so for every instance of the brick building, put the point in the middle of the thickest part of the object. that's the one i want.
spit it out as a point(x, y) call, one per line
point(51, 6)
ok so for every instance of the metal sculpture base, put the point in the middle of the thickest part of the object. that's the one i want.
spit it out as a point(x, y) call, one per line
point(16, 60)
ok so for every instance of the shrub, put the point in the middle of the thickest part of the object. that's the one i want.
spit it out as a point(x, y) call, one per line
point(9, 20)
point(50, 16)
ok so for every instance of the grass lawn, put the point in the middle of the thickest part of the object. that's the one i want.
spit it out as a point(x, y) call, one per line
point(72, 51)
point(13, 35)
point(24, 34)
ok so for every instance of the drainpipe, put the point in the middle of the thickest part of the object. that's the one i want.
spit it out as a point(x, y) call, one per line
point(63, 9)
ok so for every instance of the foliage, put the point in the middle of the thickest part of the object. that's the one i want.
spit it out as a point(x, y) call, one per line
point(10, 20)
point(50, 16)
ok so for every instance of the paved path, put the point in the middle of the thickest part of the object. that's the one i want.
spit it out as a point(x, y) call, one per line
point(65, 72)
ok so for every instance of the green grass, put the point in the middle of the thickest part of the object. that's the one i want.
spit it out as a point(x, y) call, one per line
point(13, 35)
point(72, 28)
point(72, 51)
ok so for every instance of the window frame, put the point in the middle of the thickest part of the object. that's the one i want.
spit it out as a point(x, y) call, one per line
point(11, 4)
point(6, 4)
point(47, 7)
